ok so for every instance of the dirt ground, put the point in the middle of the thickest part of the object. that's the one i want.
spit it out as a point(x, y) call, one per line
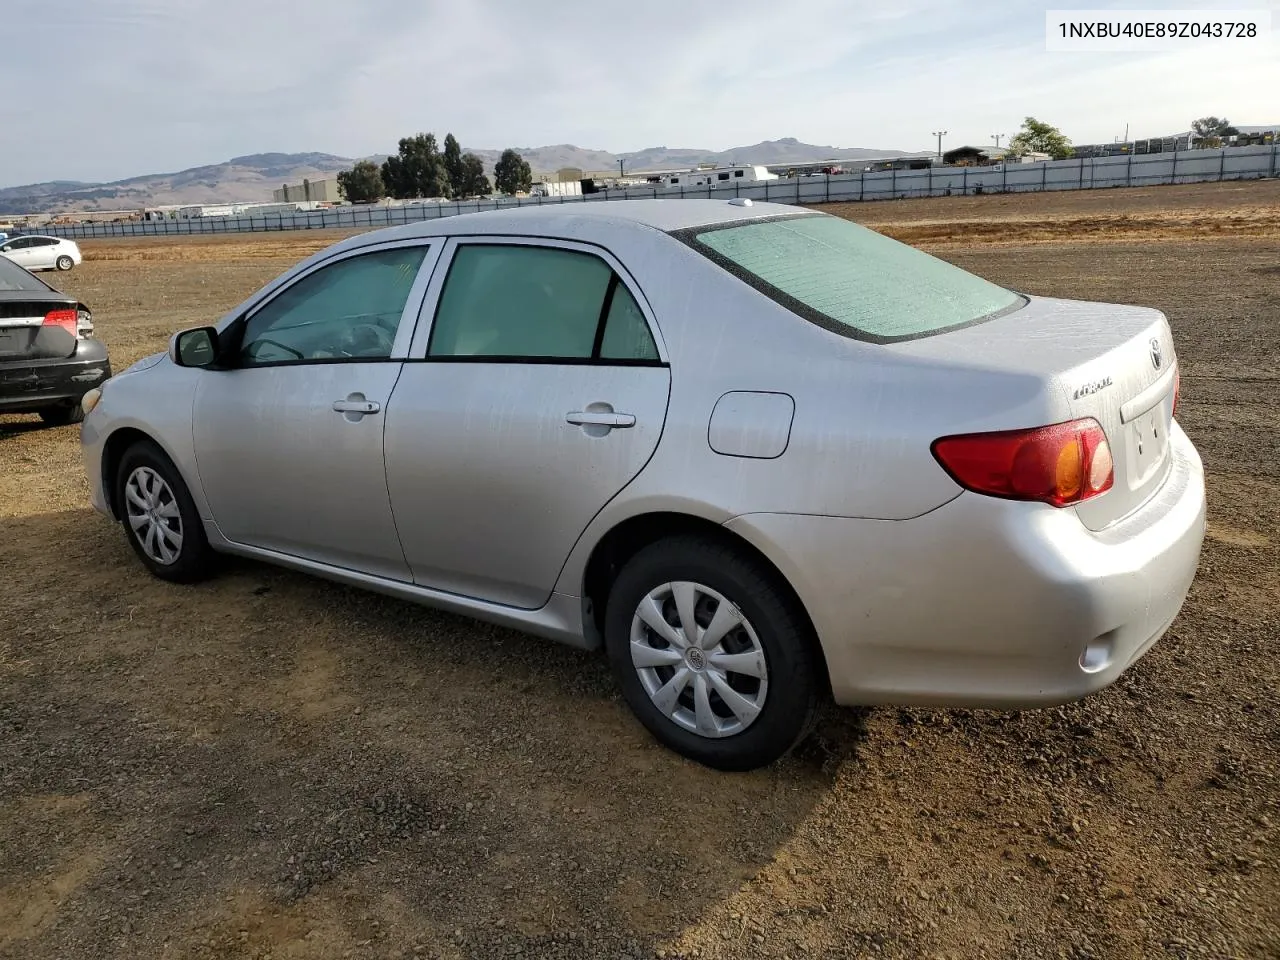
point(1186, 211)
point(268, 765)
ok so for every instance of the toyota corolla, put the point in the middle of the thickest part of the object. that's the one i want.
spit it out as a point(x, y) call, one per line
point(759, 454)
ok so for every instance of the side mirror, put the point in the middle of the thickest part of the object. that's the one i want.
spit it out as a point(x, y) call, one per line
point(197, 347)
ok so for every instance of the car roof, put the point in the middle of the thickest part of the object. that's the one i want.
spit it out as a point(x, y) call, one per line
point(600, 216)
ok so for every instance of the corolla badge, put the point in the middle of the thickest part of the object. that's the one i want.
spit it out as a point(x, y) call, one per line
point(1157, 355)
point(1092, 387)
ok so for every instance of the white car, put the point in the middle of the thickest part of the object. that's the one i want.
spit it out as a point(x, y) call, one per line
point(42, 253)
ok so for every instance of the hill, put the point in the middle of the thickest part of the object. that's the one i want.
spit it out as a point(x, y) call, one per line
point(253, 177)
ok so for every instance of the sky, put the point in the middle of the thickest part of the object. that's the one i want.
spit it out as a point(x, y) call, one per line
point(108, 89)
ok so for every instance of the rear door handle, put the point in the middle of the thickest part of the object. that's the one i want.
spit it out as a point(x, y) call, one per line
point(356, 406)
point(601, 418)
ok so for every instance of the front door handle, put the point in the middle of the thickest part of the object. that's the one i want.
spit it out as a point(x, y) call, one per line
point(356, 406)
point(601, 418)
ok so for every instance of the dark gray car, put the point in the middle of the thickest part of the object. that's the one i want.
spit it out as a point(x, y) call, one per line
point(49, 358)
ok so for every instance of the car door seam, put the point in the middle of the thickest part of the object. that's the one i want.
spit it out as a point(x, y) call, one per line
point(386, 476)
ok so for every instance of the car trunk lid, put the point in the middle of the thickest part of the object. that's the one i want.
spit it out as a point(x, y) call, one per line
point(1113, 363)
point(38, 327)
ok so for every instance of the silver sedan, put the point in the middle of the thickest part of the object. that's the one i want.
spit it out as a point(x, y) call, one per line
point(760, 455)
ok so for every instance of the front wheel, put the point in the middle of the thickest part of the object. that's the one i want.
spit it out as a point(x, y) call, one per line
point(64, 263)
point(160, 518)
point(713, 653)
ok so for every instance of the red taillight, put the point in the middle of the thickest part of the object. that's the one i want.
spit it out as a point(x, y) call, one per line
point(67, 319)
point(1177, 390)
point(1060, 465)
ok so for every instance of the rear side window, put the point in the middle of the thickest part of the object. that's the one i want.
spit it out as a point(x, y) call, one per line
point(626, 334)
point(514, 301)
point(851, 280)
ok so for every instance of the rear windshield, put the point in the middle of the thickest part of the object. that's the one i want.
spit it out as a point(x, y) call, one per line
point(852, 280)
point(13, 277)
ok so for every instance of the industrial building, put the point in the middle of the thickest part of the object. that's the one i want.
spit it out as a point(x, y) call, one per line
point(1245, 137)
point(308, 190)
point(852, 165)
point(969, 156)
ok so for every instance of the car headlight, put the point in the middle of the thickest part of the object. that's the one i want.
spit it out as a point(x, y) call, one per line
point(90, 400)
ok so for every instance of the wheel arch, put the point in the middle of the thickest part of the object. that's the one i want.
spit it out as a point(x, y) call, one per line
point(628, 537)
point(113, 451)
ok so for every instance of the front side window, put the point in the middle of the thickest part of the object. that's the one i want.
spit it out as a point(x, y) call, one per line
point(348, 310)
point(514, 301)
point(852, 280)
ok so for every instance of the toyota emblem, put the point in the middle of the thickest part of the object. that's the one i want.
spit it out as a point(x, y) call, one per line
point(1157, 357)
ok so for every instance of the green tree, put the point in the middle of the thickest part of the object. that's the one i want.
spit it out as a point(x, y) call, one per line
point(362, 183)
point(1211, 130)
point(453, 164)
point(472, 181)
point(1037, 137)
point(417, 170)
point(512, 173)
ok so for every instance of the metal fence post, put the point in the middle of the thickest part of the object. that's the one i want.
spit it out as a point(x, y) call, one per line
point(1173, 172)
point(1222, 163)
point(1044, 174)
point(1128, 172)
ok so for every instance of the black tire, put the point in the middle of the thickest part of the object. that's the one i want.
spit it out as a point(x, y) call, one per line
point(64, 263)
point(795, 675)
point(194, 557)
point(62, 414)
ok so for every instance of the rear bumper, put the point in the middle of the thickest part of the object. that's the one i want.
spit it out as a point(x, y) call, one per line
point(990, 603)
point(33, 384)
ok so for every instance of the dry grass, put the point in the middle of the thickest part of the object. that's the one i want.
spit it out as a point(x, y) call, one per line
point(1188, 212)
point(1191, 212)
point(214, 248)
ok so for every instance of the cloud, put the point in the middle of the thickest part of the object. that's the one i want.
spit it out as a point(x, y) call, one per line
point(137, 86)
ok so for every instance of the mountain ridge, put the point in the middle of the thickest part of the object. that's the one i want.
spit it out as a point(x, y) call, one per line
point(252, 177)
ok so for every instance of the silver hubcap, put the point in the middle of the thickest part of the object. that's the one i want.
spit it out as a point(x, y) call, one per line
point(699, 659)
point(153, 515)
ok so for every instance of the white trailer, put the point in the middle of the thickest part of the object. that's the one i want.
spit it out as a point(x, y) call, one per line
point(556, 188)
point(719, 176)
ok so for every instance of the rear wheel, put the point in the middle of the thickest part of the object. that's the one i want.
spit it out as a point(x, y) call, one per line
point(160, 518)
point(62, 414)
point(64, 262)
point(713, 654)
